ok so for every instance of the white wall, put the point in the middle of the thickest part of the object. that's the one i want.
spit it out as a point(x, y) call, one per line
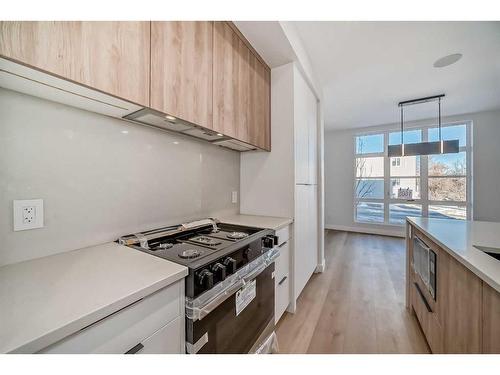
point(339, 164)
point(101, 177)
point(268, 179)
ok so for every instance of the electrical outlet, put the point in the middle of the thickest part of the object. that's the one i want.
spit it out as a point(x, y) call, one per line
point(28, 214)
point(234, 197)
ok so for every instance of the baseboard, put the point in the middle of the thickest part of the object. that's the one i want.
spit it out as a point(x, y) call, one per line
point(380, 231)
point(320, 267)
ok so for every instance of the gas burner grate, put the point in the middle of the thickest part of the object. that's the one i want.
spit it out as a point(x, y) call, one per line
point(205, 240)
point(190, 254)
point(163, 246)
point(237, 235)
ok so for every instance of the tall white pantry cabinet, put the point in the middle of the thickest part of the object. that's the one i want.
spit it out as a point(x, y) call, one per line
point(284, 182)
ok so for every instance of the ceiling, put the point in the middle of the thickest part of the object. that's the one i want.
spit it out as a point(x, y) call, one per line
point(366, 68)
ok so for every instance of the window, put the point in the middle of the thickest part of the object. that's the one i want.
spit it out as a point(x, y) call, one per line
point(389, 189)
point(369, 182)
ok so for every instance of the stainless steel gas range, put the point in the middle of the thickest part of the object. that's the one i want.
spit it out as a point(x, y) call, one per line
point(230, 285)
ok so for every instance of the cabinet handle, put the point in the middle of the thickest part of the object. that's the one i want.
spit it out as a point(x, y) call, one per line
point(429, 309)
point(135, 349)
point(283, 244)
point(282, 280)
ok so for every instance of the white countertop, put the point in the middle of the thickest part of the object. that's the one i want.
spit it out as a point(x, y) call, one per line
point(46, 299)
point(457, 237)
point(265, 222)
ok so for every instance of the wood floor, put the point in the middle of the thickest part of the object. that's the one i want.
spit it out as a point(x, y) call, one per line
point(357, 304)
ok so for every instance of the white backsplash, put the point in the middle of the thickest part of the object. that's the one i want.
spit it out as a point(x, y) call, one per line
point(101, 177)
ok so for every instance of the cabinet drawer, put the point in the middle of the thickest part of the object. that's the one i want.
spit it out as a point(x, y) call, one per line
point(427, 318)
point(167, 340)
point(122, 330)
point(283, 234)
point(283, 261)
point(282, 297)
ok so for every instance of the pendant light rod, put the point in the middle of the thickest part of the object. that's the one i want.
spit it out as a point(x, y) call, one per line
point(423, 148)
point(421, 100)
point(439, 116)
point(402, 125)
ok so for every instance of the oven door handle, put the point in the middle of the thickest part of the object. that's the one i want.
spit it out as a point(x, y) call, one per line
point(204, 310)
point(256, 272)
point(198, 308)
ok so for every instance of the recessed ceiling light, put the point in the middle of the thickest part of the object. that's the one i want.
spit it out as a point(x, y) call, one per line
point(125, 131)
point(170, 118)
point(220, 135)
point(447, 60)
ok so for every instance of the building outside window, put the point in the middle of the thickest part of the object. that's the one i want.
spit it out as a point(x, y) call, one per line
point(387, 190)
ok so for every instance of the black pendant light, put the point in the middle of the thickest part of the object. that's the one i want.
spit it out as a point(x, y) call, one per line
point(423, 148)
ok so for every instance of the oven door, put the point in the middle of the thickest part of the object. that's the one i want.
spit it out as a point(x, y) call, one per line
point(236, 324)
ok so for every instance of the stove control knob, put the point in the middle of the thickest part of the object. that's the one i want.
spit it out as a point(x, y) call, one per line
point(269, 241)
point(230, 264)
point(220, 271)
point(206, 279)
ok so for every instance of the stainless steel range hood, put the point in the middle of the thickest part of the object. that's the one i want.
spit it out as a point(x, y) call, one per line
point(158, 119)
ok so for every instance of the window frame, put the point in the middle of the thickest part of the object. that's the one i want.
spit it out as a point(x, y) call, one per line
point(423, 201)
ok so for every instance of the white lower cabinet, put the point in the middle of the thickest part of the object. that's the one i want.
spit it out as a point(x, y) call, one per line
point(161, 341)
point(282, 297)
point(154, 324)
point(282, 275)
point(305, 253)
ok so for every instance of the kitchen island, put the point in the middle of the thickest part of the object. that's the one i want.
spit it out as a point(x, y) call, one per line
point(452, 286)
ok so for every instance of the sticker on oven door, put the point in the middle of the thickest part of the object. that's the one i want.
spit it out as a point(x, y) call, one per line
point(244, 296)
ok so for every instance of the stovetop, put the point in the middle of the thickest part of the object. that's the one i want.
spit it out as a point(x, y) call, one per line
point(197, 247)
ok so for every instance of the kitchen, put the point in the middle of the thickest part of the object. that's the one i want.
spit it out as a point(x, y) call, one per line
point(172, 195)
point(186, 187)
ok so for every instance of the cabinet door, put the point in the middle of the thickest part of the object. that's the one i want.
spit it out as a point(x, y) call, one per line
point(491, 320)
point(305, 123)
point(312, 131)
point(313, 225)
point(231, 83)
point(123, 330)
point(181, 70)
point(282, 281)
point(301, 133)
point(260, 104)
point(459, 306)
point(305, 234)
point(113, 57)
point(167, 340)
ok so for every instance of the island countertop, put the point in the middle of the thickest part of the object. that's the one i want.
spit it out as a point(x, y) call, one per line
point(458, 238)
point(46, 299)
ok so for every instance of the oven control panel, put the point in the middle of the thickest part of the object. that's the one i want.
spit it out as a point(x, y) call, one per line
point(205, 277)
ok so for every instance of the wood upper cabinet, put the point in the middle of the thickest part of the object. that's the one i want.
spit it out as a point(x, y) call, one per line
point(491, 320)
point(241, 89)
point(181, 70)
point(231, 74)
point(113, 57)
point(260, 104)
